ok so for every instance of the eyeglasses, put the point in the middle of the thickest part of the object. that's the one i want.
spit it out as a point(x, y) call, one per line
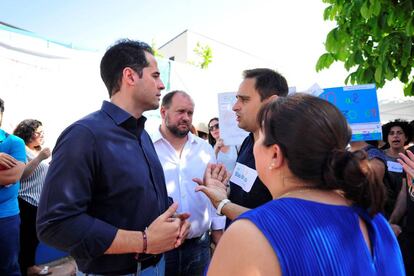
point(39, 133)
point(213, 127)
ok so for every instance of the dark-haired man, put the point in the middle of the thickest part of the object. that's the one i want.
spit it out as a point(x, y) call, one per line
point(104, 199)
point(259, 86)
point(12, 159)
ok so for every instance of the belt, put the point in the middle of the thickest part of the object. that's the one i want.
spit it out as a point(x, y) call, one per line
point(196, 238)
point(148, 260)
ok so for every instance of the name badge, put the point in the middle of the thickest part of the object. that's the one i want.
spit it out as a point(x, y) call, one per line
point(394, 167)
point(243, 176)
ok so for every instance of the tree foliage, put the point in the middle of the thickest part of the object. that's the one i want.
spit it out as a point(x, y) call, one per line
point(205, 54)
point(155, 49)
point(373, 38)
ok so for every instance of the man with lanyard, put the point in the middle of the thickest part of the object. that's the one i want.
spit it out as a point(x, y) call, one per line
point(104, 199)
point(12, 159)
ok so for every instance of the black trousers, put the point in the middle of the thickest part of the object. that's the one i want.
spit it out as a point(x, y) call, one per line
point(28, 237)
point(406, 241)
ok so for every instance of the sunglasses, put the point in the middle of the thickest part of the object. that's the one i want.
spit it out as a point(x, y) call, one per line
point(213, 127)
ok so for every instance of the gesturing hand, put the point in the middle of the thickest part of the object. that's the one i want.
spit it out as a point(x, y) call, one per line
point(164, 231)
point(7, 161)
point(407, 161)
point(219, 144)
point(44, 154)
point(214, 184)
point(184, 229)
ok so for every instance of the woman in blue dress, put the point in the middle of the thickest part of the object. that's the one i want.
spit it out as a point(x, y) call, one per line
point(324, 219)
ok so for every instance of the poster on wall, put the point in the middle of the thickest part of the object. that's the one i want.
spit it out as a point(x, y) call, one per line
point(359, 104)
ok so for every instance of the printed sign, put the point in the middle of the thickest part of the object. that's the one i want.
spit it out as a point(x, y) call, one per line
point(229, 131)
point(359, 104)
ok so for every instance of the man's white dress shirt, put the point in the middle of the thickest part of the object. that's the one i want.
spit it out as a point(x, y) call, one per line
point(179, 172)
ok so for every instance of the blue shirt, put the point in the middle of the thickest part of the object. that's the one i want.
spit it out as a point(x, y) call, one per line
point(13, 146)
point(105, 175)
point(311, 238)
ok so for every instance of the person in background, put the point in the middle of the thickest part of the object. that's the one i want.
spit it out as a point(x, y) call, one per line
point(225, 154)
point(397, 134)
point(404, 208)
point(183, 157)
point(378, 163)
point(411, 143)
point(31, 184)
point(323, 219)
point(202, 131)
point(104, 199)
point(12, 164)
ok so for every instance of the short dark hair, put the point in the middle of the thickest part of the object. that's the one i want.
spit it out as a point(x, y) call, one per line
point(167, 99)
point(124, 53)
point(313, 135)
point(26, 128)
point(1, 106)
point(403, 124)
point(268, 82)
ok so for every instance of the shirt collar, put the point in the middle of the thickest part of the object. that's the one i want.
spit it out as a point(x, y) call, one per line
point(123, 118)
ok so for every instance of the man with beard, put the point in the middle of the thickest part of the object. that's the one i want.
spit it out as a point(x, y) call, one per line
point(185, 156)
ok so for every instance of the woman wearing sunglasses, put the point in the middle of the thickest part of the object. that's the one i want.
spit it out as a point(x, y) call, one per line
point(225, 154)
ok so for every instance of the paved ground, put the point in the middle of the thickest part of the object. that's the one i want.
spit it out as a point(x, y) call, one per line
point(62, 267)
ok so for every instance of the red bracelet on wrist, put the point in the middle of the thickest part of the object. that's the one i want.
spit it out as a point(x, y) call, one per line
point(145, 241)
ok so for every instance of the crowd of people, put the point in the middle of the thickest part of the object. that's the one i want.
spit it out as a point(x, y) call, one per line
point(297, 197)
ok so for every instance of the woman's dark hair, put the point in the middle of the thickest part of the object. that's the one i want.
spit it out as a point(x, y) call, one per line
point(403, 124)
point(313, 134)
point(211, 140)
point(26, 128)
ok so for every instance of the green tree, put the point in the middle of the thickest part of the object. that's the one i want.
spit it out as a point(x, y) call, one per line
point(373, 38)
point(155, 49)
point(205, 54)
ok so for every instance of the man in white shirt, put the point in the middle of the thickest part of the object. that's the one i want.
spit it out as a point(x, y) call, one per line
point(184, 157)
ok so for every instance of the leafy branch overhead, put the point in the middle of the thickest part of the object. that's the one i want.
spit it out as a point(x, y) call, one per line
point(155, 49)
point(205, 55)
point(373, 38)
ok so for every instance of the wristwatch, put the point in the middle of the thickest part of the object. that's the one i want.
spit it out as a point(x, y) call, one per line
point(221, 205)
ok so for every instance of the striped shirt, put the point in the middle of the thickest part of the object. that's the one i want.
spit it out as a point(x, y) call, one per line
point(31, 187)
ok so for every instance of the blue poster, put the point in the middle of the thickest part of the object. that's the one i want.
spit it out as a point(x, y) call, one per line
point(359, 104)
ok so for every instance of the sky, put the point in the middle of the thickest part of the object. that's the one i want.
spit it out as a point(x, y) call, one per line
point(289, 34)
point(94, 24)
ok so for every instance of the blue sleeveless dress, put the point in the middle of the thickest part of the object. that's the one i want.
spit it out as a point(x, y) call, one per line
point(311, 238)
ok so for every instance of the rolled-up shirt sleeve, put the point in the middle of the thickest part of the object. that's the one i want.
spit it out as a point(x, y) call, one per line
point(218, 222)
point(63, 220)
